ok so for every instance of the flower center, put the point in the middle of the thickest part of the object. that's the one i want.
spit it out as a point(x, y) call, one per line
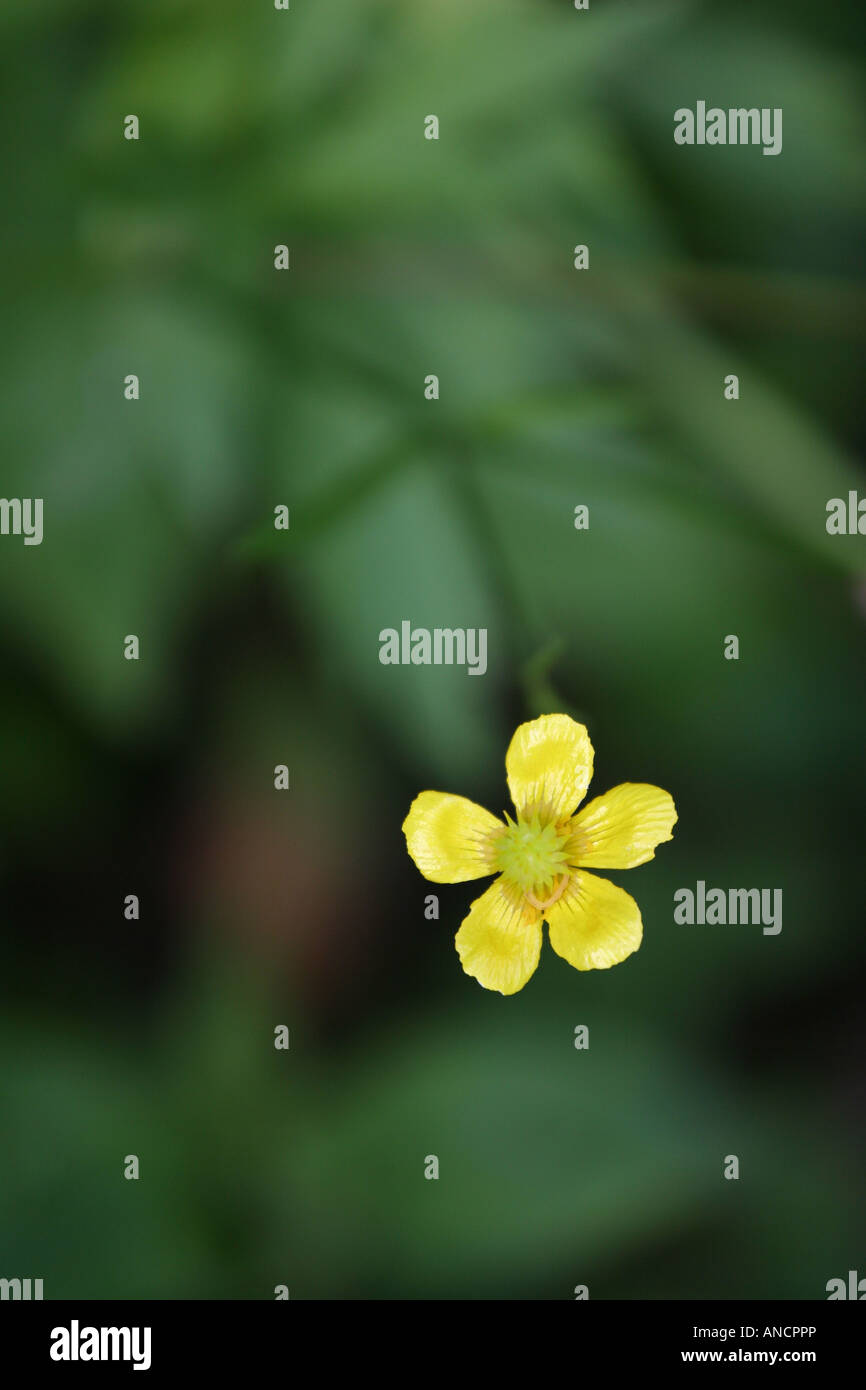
point(532, 856)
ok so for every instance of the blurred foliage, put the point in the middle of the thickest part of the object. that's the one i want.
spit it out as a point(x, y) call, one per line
point(260, 647)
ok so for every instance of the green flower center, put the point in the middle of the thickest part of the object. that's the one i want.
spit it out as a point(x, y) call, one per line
point(532, 855)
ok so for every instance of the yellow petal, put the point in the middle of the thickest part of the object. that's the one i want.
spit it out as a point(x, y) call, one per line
point(549, 766)
point(595, 924)
point(622, 828)
point(449, 837)
point(500, 941)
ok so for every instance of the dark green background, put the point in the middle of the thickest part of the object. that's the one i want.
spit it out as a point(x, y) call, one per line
point(409, 257)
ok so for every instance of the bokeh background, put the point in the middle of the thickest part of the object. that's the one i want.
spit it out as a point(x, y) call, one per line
point(258, 908)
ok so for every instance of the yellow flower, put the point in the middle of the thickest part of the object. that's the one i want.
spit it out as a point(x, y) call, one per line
point(542, 857)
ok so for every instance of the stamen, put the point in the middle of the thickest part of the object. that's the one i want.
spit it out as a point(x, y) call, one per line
point(554, 897)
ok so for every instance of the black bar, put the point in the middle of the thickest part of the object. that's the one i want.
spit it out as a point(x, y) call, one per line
point(227, 1337)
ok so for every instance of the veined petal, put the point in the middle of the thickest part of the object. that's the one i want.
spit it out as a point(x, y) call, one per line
point(549, 766)
point(622, 828)
point(595, 924)
point(449, 837)
point(500, 941)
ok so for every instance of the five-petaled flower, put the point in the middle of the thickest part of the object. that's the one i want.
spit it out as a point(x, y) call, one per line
point(542, 856)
